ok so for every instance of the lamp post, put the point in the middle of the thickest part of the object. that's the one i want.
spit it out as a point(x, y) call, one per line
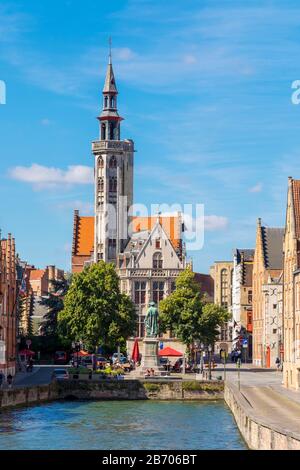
point(201, 357)
point(209, 361)
point(76, 348)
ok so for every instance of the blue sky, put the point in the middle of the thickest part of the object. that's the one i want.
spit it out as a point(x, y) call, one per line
point(205, 90)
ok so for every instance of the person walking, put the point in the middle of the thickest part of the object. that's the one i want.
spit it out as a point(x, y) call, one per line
point(277, 362)
point(9, 380)
point(1, 379)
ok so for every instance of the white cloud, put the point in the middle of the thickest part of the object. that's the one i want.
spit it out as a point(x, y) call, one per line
point(190, 59)
point(215, 222)
point(256, 189)
point(123, 53)
point(45, 122)
point(211, 222)
point(44, 177)
point(85, 208)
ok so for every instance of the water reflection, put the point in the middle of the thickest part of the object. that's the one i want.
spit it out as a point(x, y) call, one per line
point(120, 425)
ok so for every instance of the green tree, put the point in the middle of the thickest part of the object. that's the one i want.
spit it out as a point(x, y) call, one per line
point(95, 311)
point(54, 302)
point(187, 313)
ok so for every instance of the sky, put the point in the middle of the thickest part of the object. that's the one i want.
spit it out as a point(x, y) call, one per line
point(205, 88)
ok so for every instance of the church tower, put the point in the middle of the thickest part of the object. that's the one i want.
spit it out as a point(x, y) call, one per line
point(113, 177)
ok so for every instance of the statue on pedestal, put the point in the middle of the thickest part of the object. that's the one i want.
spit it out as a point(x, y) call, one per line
point(151, 321)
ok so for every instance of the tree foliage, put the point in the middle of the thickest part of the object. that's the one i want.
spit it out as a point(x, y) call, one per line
point(54, 302)
point(95, 311)
point(187, 313)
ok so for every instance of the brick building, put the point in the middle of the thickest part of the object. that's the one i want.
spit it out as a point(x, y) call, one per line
point(267, 270)
point(8, 305)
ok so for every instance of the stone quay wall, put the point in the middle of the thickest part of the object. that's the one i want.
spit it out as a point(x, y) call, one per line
point(259, 435)
point(112, 390)
point(25, 396)
point(140, 390)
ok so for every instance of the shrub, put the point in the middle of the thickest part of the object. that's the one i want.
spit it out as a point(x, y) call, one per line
point(151, 387)
point(199, 386)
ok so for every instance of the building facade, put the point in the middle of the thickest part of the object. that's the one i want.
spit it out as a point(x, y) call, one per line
point(242, 301)
point(8, 305)
point(291, 288)
point(272, 312)
point(267, 269)
point(222, 272)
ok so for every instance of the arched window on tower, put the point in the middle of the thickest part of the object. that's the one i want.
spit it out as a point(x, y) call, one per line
point(105, 101)
point(112, 101)
point(100, 162)
point(113, 184)
point(103, 131)
point(100, 184)
point(113, 162)
point(157, 261)
point(112, 131)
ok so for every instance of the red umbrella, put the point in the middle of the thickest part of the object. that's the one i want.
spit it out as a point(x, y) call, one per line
point(26, 352)
point(81, 354)
point(169, 352)
point(135, 356)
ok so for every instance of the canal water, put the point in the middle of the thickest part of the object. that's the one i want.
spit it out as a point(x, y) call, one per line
point(122, 425)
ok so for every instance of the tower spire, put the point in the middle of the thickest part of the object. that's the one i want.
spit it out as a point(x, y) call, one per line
point(109, 117)
point(109, 56)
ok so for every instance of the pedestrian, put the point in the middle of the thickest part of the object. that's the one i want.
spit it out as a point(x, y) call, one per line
point(9, 380)
point(277, 362)
point(1, 378)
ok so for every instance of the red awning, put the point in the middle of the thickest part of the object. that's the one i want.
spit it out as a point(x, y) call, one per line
point(26, 352)
point(169, 352)
point(135, 351)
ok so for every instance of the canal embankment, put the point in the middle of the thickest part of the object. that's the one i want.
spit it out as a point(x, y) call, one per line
point(112, 390)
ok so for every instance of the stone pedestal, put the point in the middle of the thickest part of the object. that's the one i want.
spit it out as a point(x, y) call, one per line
point(150, 359)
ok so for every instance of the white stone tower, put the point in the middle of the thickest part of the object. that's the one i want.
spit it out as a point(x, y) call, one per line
point(113, 177)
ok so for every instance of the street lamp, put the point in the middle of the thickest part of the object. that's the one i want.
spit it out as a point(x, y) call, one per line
point(201, 357)
point(209, 361)
point(76, 347)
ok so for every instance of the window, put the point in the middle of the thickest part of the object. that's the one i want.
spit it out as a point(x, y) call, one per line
point(224, 288)
point(274, 306)
point(173, 286)
point(100, 184)
point(157, 261)
point(113, 162)
point(105, 101)
point(103, 131)
point(112, 131)
point(100, 162)
point(140, 293)
point(113, 184)
point(250, 297)
point(157, 243)
point(158, 291)
point(112, 102)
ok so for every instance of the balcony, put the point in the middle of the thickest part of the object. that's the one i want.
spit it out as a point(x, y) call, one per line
point(118, 145)
point(148, 273)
